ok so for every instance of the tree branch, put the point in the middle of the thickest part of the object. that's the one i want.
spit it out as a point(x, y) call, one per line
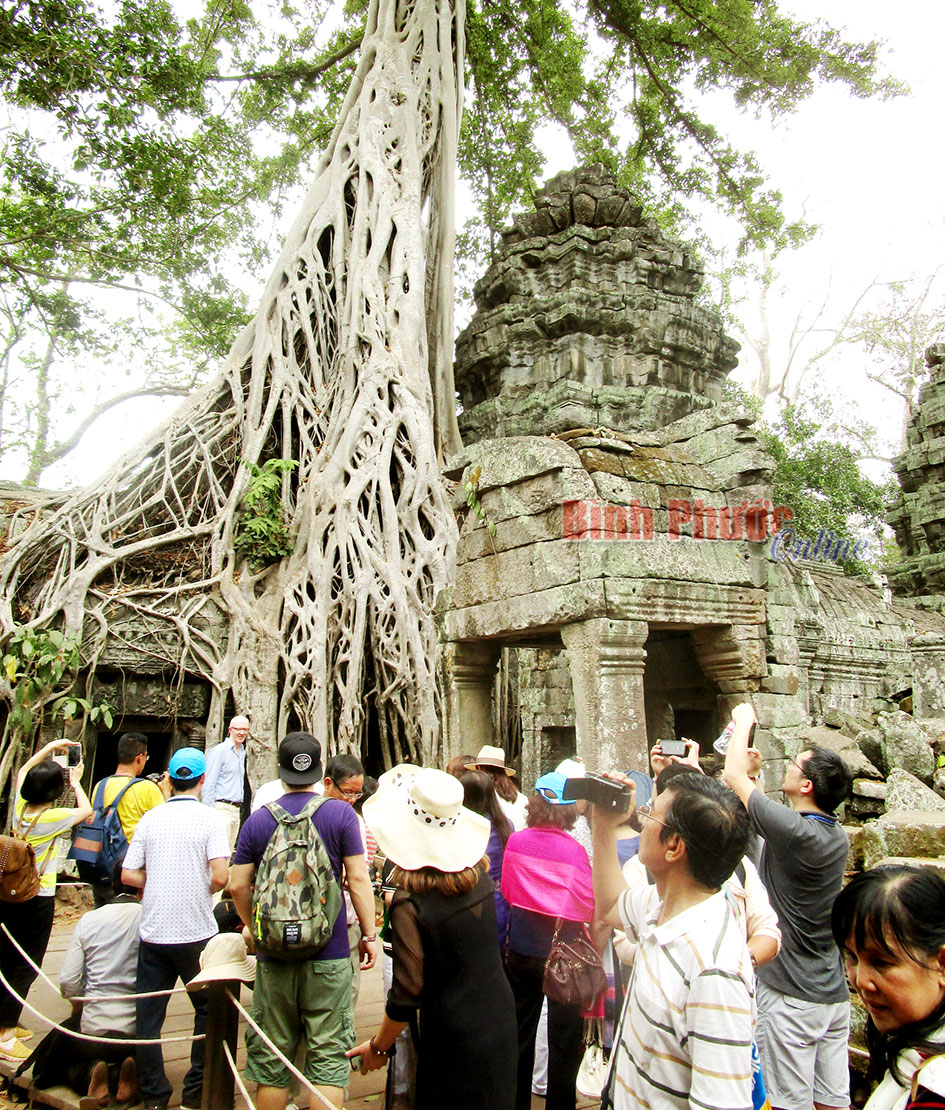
point(300, 71)
point(54, 454)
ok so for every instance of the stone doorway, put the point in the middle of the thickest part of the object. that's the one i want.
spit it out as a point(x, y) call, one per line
point(681, 700)
point(106, 745)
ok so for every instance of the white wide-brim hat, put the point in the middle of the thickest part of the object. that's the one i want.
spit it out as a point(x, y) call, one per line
point(224, 957)
point(490, 756)
point(419, 820)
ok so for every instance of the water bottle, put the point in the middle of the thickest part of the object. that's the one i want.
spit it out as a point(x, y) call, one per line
point(721, 745)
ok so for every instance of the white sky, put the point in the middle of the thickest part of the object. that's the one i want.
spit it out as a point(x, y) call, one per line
point(868, 173)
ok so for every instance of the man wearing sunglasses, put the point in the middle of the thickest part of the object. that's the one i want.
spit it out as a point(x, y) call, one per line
point(344, 781)
point(686, 1035)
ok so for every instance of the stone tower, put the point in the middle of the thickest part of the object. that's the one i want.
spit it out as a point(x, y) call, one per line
point(588, 318)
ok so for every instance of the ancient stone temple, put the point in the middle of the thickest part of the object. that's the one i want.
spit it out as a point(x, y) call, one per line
point(617, 579)
point(919, 518)
point(617, 584)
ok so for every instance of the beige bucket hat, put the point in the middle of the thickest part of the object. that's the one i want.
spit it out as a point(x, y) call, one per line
point(224, 957)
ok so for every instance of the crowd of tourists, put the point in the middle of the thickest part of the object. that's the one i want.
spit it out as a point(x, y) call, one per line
point(674, 940)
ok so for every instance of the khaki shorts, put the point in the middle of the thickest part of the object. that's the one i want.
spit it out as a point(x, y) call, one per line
point(302, 1001)
point(803, 1049)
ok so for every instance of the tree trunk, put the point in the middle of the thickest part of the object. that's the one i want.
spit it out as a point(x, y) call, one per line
point(347, 368)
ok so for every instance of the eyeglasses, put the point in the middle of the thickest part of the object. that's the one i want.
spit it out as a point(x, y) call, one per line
point(646, 810)
point(351, 795)
point(800, 767)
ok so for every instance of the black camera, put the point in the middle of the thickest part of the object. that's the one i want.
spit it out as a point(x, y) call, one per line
point(599, 791)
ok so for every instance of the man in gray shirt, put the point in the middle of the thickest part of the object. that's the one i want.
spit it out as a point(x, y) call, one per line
point(802, 995)
point(102, 960)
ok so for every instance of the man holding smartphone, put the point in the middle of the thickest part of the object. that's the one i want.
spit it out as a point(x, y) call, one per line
point(803, 997)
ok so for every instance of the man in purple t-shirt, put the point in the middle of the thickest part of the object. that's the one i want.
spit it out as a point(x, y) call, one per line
point(310, 1000)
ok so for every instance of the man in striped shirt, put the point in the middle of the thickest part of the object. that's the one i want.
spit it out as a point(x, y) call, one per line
point(686, 1034)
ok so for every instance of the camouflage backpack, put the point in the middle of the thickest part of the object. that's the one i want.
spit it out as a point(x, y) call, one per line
point(297, 899)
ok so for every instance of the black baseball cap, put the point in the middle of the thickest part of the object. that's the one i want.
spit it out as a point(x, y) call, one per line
point(300, 759)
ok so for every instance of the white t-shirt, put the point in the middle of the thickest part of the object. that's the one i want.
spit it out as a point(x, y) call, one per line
point(515, 811)
point(273, 790)
point(175, 843)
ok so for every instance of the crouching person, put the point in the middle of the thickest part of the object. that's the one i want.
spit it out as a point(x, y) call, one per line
point(102, 959)
point(686, 1035)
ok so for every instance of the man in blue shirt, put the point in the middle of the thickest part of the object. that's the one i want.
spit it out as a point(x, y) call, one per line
point(223, 785)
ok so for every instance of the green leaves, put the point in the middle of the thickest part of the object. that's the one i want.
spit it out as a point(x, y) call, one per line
point(817, 474)
point(263, 534)
point(37, 663)
point(471, 489)
point(148, 151)
point(69, 707)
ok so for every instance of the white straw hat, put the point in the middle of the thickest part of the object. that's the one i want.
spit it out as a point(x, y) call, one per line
point(418, 819)
point(490, 756)
point(224, 957)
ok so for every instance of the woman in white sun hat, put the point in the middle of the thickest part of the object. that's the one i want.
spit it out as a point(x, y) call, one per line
point(447, 969)
point(511, 799)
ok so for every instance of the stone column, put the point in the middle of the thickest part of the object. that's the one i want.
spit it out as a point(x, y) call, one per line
point(470, 670)
point(606, 659)
point(928, 674)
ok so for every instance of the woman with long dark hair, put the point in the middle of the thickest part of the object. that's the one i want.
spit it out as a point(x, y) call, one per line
point(546, 878)
point(889, 924)
point(480, 797)
point(39, 785)
point(511, 800)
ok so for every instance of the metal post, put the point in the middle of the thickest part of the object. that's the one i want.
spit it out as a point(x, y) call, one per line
point(222, 1027)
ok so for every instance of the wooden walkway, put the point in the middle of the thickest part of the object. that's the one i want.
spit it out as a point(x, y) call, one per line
point(366, 1092)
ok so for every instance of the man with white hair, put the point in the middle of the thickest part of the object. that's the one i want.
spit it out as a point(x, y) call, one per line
point(224, 783)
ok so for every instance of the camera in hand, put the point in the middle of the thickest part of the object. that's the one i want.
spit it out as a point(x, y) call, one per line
point(599, 791)
point(75, 755)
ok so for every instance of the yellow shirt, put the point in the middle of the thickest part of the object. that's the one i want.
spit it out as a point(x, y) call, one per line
point(135, 804)
point(53, 822)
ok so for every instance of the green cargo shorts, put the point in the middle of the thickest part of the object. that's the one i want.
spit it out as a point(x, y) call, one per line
point(302, 1001)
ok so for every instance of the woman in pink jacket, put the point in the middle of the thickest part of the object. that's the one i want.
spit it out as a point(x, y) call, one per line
point(546, 879)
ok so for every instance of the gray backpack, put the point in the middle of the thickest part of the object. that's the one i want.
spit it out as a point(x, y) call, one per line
point(297, 899)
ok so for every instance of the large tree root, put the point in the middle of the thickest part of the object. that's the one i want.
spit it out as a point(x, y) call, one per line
point(347, 369)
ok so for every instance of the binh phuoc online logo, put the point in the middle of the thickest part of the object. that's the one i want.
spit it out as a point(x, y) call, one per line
point(828, 547)
point(751, 520)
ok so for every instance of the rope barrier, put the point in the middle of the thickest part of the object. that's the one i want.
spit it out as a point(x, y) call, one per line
point(88, 1036)
point(238, 1079)
point(274, 1048)
point(84, 997)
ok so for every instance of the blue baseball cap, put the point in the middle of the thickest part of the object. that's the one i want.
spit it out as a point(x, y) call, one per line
point(187, 765)
point(551, 788)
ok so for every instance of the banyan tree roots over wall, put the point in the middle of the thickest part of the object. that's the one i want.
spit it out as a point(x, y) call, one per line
point(346, 369)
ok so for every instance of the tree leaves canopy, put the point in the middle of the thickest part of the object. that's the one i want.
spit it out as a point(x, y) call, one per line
point(144, 151)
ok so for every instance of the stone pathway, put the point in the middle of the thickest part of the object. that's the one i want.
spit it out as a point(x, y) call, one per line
point(366, 1092)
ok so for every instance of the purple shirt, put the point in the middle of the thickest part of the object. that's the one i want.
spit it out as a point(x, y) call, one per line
point(337, 825)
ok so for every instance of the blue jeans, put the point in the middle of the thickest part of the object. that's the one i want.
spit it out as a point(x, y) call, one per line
point(159, 967)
